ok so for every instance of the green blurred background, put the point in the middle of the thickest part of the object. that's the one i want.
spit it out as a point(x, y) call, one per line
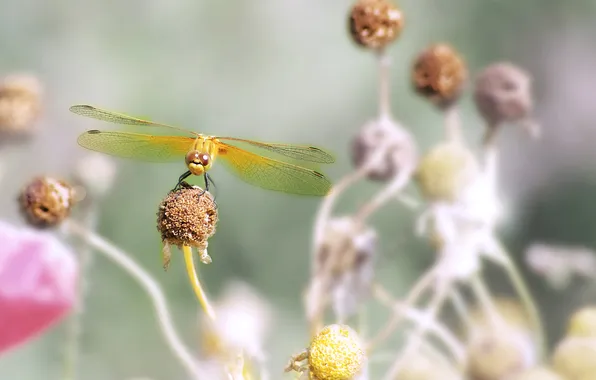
point(282, 71)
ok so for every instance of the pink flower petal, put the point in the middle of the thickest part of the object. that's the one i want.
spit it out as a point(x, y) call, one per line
point(37, 283)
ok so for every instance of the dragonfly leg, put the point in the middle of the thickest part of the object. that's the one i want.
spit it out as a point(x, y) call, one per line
point(207, 180)
point(181, 180)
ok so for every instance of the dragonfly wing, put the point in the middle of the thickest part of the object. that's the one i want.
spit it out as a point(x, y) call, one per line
point(272, 174)
point(118, 118)
point(137, 146)
point(296, 152)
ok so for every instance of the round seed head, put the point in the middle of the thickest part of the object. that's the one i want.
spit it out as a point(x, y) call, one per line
point(537, 373)
point(96, 172)
point(574, 358)
point(446, 171)
point(439, 74)
point(401, 152)
point(495, 354)
point(375, 24)
point(335, 353)
point(20, 104)
point(502, 93)
point(188, 217)
point(583, 323)
point(46, 201)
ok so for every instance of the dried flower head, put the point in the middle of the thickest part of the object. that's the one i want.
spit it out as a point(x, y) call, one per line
point(400, 150)
point(583, 323)
point(188, 217)
point(574, 358)
point(537, 373)
point(335, 353)
point(503, 94)
point(439, 74)
point(343, 267)
point(497, 353)
point(46, 201)
point(375, 23)
point(20, 104)
point(446, 171)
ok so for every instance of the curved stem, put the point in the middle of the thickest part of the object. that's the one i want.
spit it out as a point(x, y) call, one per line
point(193, 277)
point(486, 302)
point(150, 286)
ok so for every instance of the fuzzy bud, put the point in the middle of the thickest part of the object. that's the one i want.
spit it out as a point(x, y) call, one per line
point(20, 104)
point(336, 353)
point(375, 24)
point(537, 373)
point(188, 217)
point(583, 323)
point(495, 354)
point(503, 94)
point(439, 74)
point(46, 202)
point(574, 358)
point(446, 171)
point(400, 153)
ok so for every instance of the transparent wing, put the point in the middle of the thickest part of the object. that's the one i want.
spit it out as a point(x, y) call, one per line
point(118, 118)
point(137, 146)
point(272, 174)
point(296, 152)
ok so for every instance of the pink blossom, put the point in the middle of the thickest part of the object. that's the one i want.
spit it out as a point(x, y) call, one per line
point(37, 283)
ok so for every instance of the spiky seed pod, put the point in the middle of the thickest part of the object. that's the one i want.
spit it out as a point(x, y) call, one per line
point(187, 217)
point(583, 323)
point(537, 373)
point(335, 353)
point(439, 74)
point(401, 152)
point(46, 201)
point(574, 358)
point(446, 171)
point(20, 104)
point(374, 24)
point(495, 354)
point(503, 93)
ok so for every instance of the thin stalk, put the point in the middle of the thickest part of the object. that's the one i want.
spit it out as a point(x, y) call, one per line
point(193, 277)
point(152, 289)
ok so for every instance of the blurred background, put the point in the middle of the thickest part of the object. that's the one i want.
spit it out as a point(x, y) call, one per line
point(282, 71)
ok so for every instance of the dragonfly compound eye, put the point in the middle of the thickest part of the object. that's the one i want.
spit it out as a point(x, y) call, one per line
point(193, 157)
point(204, 159)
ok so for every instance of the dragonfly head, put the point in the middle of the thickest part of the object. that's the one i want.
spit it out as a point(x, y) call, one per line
point(198, 162)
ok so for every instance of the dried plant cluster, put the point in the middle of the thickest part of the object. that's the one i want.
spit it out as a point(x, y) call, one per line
point(492, 337)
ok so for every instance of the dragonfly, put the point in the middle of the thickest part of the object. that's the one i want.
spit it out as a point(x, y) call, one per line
point(279, 167)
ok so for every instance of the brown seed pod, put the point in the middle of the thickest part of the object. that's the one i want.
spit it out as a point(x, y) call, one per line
point(20, 104)
point(502, 93)
point(375, 24)
point(439, 74)
point(401, 151)
point(46, 201)
point(188, 217)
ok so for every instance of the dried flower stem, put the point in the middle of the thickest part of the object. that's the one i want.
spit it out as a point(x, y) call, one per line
point(414, 342)
point(486, 301)
point(460, 306)
point(384, 84)
point(74, 327)
point(196, 284)
point(416, 292)
point(395, 186)
point(150, 286)
point(451, 342)
point(453, 130)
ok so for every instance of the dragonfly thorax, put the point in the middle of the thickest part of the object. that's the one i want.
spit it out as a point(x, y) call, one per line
point(198, 162)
